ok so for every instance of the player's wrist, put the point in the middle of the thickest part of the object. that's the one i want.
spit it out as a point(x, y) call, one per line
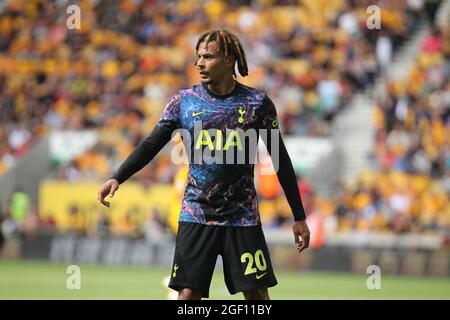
point(114, 179)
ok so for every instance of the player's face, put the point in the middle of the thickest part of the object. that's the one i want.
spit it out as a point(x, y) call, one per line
point(211, 64)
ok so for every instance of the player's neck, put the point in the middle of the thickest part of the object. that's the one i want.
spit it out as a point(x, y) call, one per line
point(223, 88)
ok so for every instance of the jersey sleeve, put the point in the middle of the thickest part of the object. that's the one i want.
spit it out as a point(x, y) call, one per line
point(149, 147)
point(286, 174)
point(170, 117)
point(268, 114)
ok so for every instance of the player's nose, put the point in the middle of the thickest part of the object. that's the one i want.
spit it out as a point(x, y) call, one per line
point(200, 64)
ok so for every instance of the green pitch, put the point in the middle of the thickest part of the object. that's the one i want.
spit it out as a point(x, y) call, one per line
point(44, 280)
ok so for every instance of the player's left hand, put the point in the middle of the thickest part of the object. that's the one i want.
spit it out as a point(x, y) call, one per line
point(301, 235)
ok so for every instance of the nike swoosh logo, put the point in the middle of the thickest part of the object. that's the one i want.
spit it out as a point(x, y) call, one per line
point(259, 276)
point(194, 114)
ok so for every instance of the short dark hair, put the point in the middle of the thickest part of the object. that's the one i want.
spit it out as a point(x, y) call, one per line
point(229, 45)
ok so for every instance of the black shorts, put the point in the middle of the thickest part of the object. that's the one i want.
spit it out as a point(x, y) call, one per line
point(246, 260)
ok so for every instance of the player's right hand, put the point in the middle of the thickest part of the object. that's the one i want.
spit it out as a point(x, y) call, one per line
point(108, 188)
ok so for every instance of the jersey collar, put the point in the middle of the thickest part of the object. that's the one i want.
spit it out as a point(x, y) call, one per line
point(213, 95)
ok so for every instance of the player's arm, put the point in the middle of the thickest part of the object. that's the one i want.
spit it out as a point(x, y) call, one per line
point(145, 151)
point(285, 173)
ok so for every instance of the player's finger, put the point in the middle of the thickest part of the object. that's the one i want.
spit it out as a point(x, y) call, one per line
point(100, 196)
point(296, 237)
point(301, 247)
point(113, 190)
point(104, 202)
point(101, 199)
point(304, 243)
point(305, 239)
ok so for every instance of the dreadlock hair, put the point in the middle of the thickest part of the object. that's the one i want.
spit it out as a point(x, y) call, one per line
point(229, 45)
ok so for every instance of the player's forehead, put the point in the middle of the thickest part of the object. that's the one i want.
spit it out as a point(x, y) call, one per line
point(212, 48)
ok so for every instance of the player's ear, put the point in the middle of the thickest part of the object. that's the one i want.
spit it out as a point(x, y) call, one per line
point(230, 61)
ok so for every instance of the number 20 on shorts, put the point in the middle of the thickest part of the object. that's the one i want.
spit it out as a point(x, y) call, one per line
point(258, 259)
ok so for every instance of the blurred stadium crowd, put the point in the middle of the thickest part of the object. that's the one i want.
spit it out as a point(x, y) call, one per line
point(116, 73)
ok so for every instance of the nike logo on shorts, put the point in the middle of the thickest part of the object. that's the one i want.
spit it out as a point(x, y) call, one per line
point(194, 114)
point(259, 276)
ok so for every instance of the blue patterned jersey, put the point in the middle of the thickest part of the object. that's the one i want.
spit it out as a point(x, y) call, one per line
point(220, 193)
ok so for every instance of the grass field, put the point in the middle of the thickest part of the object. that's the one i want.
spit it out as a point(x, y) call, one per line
point(44, 280)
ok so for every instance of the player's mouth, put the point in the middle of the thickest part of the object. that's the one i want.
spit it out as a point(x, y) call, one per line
point(203, 75)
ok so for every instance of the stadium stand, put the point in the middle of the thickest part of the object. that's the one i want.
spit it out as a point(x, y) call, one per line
point(116, 74)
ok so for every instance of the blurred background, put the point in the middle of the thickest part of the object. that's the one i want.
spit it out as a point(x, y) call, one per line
point(364, 111)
